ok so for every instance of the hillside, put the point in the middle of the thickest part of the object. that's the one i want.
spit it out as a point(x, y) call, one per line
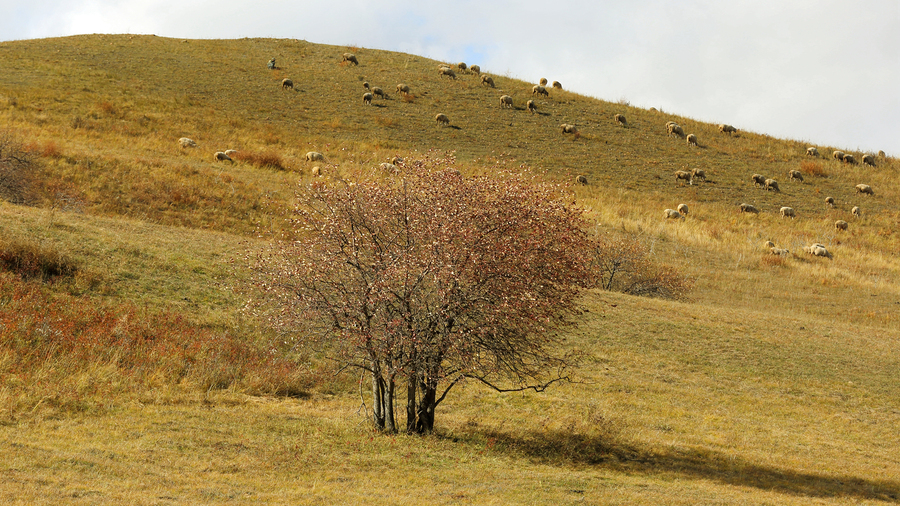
point(774, 382)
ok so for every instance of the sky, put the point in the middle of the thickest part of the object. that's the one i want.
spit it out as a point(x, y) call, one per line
point(826, 72)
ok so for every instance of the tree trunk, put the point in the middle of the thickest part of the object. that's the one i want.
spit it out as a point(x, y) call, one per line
point(411, 405)
point(389, 424)
point(425, 409)
point(377, 405)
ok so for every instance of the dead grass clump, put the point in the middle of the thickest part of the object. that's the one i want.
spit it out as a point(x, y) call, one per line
point(269, 159)
point(30, 260)
point(17, 168)
point(409, 98)
point(811, 168)
point(386, 122)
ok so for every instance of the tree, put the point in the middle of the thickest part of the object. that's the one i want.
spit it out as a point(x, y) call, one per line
point(429, 278)
point(623, 263)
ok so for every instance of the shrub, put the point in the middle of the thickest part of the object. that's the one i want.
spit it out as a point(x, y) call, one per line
point(623, 264)
point(812, 168)
point(17, 168)
point(30, 260)
point(269, 159)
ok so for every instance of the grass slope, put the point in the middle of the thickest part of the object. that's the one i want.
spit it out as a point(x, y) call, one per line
point(775, 382)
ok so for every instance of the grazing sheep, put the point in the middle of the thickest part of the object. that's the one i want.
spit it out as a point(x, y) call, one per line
point(539, 90)
point(788, 212)
point(379, 92)
point(818, 250)
point(462, 66)
point(447, 71)
point(543, 81)
point(812, 151)
point(287, 83)
point(222, 157)
point(795, 174)
point(557, 85)
point(620, 119)
point(882, 154)
point(838, 155)
point(187, 143)
point(568, 129)
point(769, 244)
point(442, 119)
point(779, 251)
point(683, 209)
point(849, 159)
point(581, 179)
point(699, 174)
point(771, 184)
point(315, 156)
point(487, 80)
point(758, 180)
point(864, 188)
point(396, 160)
point(856, 211)
point(350, 57)
point(683, 175)
point(316, 171)
point(475, 68)
point(692, 140)
point(673, 214)
point(403, 89)
point(389, 167)
point(748, 208)
point(366, 84)
point(727, 129)
point(829, 201)
point(674, 129)
point(531, 106)
point(506, 101)
point(868, 160)
point(230, 152)
point(840, 225)
point(367, 98)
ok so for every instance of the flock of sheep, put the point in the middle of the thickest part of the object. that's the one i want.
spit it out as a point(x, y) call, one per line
point(672, 128)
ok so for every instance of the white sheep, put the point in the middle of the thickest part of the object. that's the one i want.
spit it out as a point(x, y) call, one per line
point(388, 167)
point(758, 180)
point(748, 208)
point(557, 85)
point(543, 81)
point(856, 211)
point(396, 160)
point(220, 156)
point(539, 90)
point(316, 171)
point(287, 83)
point(315, 156)
point(829, 201)
point(379, 92)
point(350, 57)
point(581, 179)
point(367, 98)
point(568, 129)
point(779, 251)
point(620, 119)
point(402, 89)
point(838, 155)
point(818, 250)
point(771, 184)
point(475, 68)
point(683, 209)
point(849, 159)
point(187, 143)
point(727, 129)
point(674, 129)
point(769, 244)
point(506, 101)
point(812, 151)
point(366, 85)
point(462, 66)
point(442, 119)
point(840, 225)
point(698, 174)
point(682, 175)
point(487, 80)
point(531, 106)
point(447, 71)
point(795, 174)
point(788, 212)
point(230, 152)
point(692, 140)
point(864, 189)
point(868, 159)
point(673, 214)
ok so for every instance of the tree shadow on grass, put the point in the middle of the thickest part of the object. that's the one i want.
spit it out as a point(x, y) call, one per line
point(565, 447)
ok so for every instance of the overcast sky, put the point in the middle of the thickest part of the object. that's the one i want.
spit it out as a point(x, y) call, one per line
point(824, 71)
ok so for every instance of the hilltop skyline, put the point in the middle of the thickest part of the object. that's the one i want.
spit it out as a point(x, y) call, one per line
point(823, 73)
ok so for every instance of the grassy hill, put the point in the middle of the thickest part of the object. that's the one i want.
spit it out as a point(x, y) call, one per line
point(775, 382)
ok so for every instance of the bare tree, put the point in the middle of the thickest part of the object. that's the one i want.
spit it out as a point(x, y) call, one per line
point(429, 279)
point(16, 169)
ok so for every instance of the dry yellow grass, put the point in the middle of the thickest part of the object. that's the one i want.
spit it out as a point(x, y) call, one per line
point(775, 383)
